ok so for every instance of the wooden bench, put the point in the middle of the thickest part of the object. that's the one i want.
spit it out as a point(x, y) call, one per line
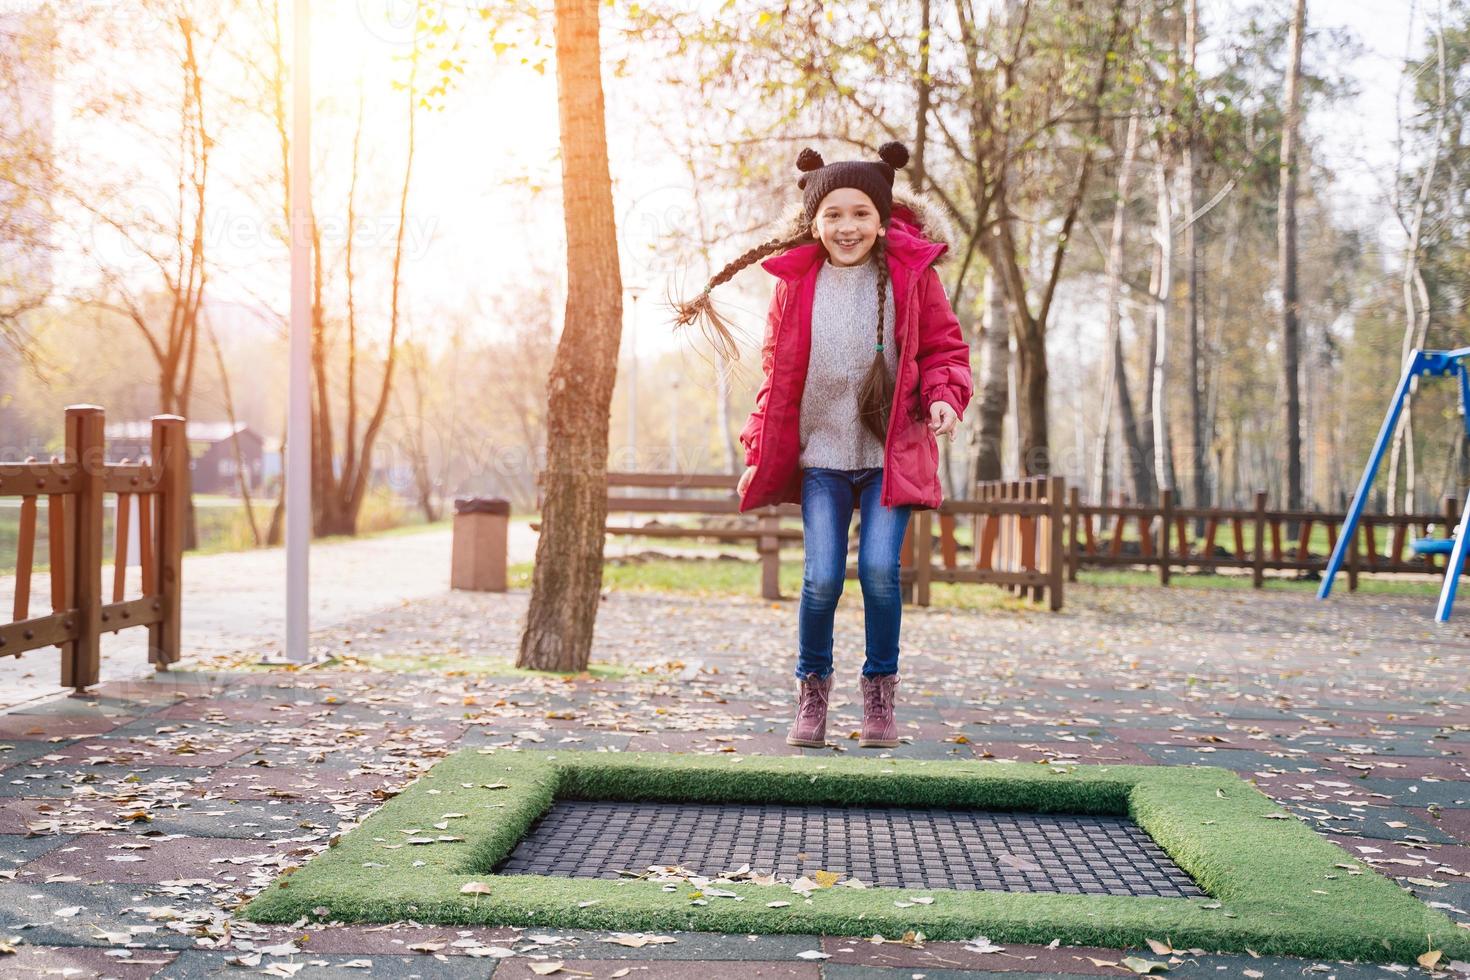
point(1019, 523)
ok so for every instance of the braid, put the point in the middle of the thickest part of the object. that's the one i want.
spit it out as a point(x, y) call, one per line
point(717, 330)
point(875, 394)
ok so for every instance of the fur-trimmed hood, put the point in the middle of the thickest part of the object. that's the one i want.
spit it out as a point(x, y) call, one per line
point(927, 219)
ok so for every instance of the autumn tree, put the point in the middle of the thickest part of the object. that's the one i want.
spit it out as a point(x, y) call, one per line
point(566, 585)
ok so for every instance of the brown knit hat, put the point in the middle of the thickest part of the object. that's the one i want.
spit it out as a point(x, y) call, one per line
point(873, 179)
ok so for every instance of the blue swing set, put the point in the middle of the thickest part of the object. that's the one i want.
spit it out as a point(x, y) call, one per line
point(1433, 363)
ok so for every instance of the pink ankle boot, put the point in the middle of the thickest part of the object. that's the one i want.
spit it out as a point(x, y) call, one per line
point(880, 729)
point(810, 729)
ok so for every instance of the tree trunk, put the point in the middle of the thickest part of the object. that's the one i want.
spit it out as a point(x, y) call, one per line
point(1145, 486)
point(1113, 364)
point(1198, 459)
point(1286, 243)
point(567, 582)
point(995, 390)
point(1139, 472)
point(925, 87)
point(1164, 232)
point(1416, 315)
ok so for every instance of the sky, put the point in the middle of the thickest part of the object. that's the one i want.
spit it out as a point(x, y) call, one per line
point(486, 194)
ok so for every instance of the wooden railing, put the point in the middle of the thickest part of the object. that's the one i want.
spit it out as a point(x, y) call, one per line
point(74, 487)
point(1032, 535)
point(1018, 528)
point(1097, 538)
point(1020, 522)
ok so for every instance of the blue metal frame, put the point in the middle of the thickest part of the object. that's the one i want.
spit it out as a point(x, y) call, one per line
point(1437, 363)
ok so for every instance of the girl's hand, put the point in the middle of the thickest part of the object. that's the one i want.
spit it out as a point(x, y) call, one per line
point(745, 479)
point(943, 419)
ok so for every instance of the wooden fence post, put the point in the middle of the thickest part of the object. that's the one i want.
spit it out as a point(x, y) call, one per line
point(1074, 549)
point(769, 546)
point(1352, 560)
point(1056, 499)
point(923, 557)
point(81, 658)
point(171, 463)
point(1166, 519)
point(1451, 521)
point(1258, 560)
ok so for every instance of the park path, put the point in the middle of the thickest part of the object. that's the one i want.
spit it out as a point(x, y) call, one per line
point(234, 602)
point(133, 821)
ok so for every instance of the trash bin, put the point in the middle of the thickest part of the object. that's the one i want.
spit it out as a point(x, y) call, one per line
point(478, 556)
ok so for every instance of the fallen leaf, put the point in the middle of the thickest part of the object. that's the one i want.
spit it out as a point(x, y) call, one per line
point(1141, 966)
point(637, 940)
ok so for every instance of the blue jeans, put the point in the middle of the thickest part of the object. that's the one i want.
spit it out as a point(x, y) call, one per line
point(826, 514)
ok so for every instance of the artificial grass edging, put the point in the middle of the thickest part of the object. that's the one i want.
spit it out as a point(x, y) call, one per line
point(1277, 887)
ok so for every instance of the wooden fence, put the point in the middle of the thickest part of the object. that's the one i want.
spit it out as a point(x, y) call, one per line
point(1017, 528)
point(74, 488)
point(1020, 524)
point(1097, 538)
point(1032, 535)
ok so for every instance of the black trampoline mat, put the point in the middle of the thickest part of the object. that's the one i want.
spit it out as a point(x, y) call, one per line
point(892, 847)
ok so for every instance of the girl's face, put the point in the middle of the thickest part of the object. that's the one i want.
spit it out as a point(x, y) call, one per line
point(847, 224)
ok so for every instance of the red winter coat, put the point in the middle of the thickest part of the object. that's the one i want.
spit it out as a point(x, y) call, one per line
point(933, 364)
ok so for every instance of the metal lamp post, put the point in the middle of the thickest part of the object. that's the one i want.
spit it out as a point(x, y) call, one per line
point(298, 425)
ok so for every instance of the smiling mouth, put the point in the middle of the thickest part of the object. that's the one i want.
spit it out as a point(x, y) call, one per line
point(854, 243)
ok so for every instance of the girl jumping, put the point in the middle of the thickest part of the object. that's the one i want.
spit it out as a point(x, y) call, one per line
point(865, 366)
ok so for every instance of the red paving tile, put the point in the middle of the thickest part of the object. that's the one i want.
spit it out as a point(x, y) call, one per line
point(202, 749)
point(518, 968)
point(1387, 854)
point(1397, 767)
point(379, 941)
point(41, 727)
point(237, 711)
point(18, 813)
point(101, 858)
point(954, 956)
point(1452, 820)
point(1114, 753)
point(81, 962)
point(266, 782)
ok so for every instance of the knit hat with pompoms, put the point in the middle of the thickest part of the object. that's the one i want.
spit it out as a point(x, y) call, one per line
point(817, 180)
point(873, 179)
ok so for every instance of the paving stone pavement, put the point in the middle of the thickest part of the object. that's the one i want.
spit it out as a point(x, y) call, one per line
point(134, 820)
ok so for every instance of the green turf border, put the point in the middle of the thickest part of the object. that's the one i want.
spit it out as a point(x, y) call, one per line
point(1280, 887)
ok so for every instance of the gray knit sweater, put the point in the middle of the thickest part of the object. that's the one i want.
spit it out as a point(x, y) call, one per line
point(844, 329)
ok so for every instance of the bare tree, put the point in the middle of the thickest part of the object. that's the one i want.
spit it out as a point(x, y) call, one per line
point(1416, 295)
point(567, 582)
point(1116, 401)
point(1286, 243)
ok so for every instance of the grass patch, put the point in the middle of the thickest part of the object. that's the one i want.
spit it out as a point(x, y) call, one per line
point(742, 577)
point(1196, 580)
point(1277, 886)
point(722, 577)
